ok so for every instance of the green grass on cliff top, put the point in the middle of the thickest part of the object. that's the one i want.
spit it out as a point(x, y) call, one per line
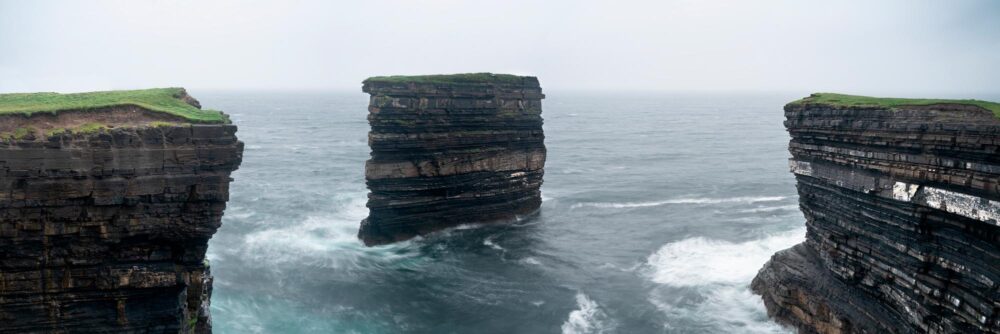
point(165, 100)
point(451, 78)
point(889, 102)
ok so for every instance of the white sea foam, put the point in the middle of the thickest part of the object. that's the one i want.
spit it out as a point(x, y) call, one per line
point(771, 208)
point(489, 242)
point(531, 260)
point(696, 200)
point(316, 234)
point(467, 226)
point(699, 261)
point(572, 170)
point(724, 309)
point(720, 273)
point(587, 318)
point(327, 240)
point(612, 266)
point(238, 213)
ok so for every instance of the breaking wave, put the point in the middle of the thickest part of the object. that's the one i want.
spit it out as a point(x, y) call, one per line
point(699, 261)
point(588, 318)
point(718, 273)
point(327, 240)
point(727, 309)
point(489, 242)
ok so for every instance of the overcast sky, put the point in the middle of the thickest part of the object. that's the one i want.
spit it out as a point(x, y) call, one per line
point(864, 47)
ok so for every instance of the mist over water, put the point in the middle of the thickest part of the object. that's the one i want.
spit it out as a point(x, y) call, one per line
point(658, 210)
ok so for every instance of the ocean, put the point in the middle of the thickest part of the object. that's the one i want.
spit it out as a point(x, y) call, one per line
point(658, 210)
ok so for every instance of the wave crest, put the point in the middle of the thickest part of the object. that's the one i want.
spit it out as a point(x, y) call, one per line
point(587, 319)
point(718, 273)
point(697, 200)
point(699, 261)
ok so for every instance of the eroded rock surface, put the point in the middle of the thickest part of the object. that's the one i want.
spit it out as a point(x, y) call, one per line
point(445, 154)
point(107, 231)
point(901, 210)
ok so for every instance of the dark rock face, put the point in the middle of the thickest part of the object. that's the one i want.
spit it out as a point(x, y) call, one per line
point(902, 208)
point(107, 232)
point(445, 154)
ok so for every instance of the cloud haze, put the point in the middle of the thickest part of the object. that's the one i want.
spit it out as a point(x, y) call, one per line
point(872, 47)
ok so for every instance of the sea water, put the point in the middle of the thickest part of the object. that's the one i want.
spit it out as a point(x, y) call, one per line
point(658, 210)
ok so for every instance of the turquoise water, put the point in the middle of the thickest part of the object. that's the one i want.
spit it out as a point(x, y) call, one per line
point(658, 211)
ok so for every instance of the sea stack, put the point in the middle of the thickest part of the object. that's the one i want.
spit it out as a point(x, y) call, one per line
point(449, 150)
point(107, 203)
point(902, 206)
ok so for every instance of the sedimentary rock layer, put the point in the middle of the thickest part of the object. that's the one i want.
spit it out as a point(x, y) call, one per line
point(106, 230)
point(448, 152)
point(901, 208)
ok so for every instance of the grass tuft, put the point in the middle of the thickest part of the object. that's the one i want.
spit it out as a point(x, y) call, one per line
point(18, 134)
point(21, 133)
point(867, 101)
point(164, 100)
point(57, 132)
point(90, 128)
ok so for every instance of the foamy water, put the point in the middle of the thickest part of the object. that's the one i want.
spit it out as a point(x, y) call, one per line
point(588, 318)
point(718, 272)
point(702, 261)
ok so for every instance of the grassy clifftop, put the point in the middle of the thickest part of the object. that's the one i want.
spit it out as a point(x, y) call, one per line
point(451, 78)
point(165, 100)
point(855, 100)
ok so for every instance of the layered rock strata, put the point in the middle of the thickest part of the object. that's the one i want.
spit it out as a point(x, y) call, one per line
point(104, 229)
point(451, 150)
point(902, 208)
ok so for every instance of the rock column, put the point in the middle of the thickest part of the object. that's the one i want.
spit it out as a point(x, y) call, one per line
point(449, 151)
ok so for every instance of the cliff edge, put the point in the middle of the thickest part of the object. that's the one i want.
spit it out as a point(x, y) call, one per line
point(902, 206)
point(450, 150)
point(107, 203)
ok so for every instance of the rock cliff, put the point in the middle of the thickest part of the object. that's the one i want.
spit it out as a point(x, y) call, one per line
point(450, 150)
point(902, 207)
point(106, 209)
